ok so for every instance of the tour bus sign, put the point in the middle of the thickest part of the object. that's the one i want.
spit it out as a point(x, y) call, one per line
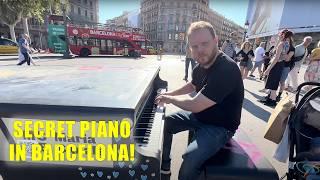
point(103, 33)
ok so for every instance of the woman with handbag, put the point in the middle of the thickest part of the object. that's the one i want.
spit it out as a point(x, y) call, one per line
point(275, 69)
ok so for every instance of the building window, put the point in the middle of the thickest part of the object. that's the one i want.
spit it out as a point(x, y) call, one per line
point(72, 9)
point(177, 28)
point(176, 37)
point(86, 13)
point(91, 16)
point(79, 11)
point(171, 27)
point(169, 37)
point(91, 4)
point(79, 1)
point(85, 2)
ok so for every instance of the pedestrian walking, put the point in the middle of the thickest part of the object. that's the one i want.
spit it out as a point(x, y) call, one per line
point(24, 49)
point(258, 59)
point(275, 69)
point(229, 46)
point(244, 56)
point(159, 53)
point(300, 54)
point(288, 64)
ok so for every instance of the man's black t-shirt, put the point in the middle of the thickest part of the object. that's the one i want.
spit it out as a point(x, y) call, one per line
point(222, 83)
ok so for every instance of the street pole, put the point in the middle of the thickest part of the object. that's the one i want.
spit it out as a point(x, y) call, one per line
point(180, 49)
point(66, 54)
point(244, 36)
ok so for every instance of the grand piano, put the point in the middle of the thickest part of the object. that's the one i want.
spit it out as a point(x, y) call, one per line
point(112, 91)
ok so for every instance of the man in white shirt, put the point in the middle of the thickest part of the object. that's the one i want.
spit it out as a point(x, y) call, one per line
point(300, 54)
point(258, 59)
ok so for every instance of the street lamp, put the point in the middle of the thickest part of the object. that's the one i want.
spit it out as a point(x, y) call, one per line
point(246, 26)
point(66, 54)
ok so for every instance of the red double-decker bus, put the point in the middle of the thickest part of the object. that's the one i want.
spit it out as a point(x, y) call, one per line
point(85, 41)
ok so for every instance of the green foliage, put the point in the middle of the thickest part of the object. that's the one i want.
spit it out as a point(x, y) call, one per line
point(12, 10)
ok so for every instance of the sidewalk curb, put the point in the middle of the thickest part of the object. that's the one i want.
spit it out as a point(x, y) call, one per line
point(41, 57)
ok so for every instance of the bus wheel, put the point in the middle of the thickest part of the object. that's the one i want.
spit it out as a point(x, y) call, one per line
point(84, 52)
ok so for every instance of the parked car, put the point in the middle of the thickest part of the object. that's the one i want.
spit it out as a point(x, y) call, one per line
point(8, 46)
point(151, 50)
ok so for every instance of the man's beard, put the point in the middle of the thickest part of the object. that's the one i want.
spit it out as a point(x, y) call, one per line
point(210, 59)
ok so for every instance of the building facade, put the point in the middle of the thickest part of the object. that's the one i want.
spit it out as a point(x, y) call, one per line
point(84, 11)
point(79, 11)
point(224, 27)
point(166, 22)
point(127, 19)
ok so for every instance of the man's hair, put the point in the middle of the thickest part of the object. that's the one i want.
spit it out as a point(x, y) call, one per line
point(307, 38)
point(201, 25)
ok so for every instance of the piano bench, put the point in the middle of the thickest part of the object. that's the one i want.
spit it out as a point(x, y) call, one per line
point(239, 160)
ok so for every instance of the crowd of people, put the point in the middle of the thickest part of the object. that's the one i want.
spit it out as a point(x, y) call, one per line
point(278, 67)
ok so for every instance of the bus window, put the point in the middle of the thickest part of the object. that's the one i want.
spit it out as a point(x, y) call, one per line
point(72, 40)
point(79, 42)
point(91, 42)
point(97, 43)
point(103, 45)
point(128, 44)
point(85, 41)
point(116, 43)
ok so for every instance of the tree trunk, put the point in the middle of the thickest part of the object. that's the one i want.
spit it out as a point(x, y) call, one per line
point(25, 25)
point(12, 33)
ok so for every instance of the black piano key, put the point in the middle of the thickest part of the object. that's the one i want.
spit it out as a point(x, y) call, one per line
point(141, 133)
point(144, 125)
point(141, 140)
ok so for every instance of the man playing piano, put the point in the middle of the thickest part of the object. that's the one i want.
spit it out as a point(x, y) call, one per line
point(214, 113)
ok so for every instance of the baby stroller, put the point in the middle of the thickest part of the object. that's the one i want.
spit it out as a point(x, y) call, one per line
point(304, 135)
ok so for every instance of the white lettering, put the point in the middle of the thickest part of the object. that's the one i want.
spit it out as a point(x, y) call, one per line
point(104, 33)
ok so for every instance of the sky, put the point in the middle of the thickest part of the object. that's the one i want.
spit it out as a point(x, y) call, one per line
point(235, 10)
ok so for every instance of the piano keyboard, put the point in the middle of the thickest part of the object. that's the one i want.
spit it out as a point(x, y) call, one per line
point(148, 131)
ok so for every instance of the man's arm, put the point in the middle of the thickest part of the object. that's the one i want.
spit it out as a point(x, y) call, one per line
point(195, 104)
point(186, 89)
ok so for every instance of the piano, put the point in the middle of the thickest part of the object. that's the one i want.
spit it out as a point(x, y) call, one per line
point(112, 91)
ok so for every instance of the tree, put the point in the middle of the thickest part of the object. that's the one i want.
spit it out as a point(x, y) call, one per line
point(10, 15)
point(37, 9)
point(12, 11)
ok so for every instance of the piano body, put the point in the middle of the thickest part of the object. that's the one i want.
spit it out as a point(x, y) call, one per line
point(108, 92)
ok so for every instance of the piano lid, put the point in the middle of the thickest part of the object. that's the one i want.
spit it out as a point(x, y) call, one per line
point(113, 84)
